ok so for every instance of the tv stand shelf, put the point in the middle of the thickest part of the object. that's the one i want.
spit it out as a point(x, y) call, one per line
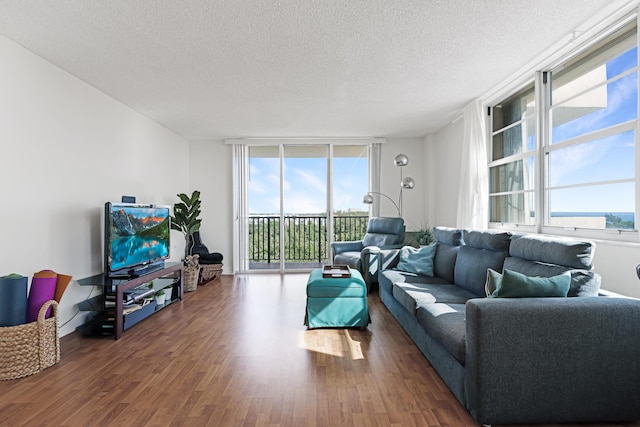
point(117, 289)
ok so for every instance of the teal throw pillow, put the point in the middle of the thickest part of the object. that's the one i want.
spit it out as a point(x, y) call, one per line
point(518, 285)
point(493, 281)
point(417, 260)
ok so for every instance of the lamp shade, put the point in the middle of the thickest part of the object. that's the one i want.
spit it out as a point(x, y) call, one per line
point(408, 183)
point(401, 160)
point(368, 199)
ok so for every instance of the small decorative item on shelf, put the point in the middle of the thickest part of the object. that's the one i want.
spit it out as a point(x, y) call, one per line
point(160, 297)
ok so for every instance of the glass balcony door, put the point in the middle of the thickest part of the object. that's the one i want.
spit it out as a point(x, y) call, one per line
point(301, 197)
point(305, 188)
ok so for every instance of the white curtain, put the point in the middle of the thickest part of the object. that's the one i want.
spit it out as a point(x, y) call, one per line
point(240, 209)
point(375, 156)
point(473, 191)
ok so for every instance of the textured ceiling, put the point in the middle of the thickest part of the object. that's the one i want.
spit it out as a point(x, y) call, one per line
point(211, 69)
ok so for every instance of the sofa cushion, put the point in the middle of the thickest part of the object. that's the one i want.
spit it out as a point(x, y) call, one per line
point(471, 268)
point(417, 260)
point(449, 236)
point(446, 324)
point(444, 261)
point(411, 295)
point(448, 241)
point(387, 279)
point(553, 250)
point(492, 240)
point(517, 285)
point(584, 283)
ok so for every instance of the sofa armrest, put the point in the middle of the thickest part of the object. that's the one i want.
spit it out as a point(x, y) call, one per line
point(389, 258)
point(552, 360)
point(370, 265)
point(352, 246)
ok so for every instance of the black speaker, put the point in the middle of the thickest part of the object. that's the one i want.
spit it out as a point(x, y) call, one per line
point(128, 199)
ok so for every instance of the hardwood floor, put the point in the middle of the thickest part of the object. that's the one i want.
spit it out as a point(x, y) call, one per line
point(236, 353)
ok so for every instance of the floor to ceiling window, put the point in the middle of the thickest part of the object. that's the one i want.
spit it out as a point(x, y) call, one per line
point(299, 198)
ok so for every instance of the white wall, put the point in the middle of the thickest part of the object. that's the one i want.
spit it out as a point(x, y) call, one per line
point(66, 149)
point(413, 205)
point(211, 172)
point(615, 262)
point(447, 150)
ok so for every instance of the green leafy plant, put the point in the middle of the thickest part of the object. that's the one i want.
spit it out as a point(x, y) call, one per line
point(424, 236)
point(185, 218)
point(160, 292)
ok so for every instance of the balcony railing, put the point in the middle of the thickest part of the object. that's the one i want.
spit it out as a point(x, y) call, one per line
point(305, 236)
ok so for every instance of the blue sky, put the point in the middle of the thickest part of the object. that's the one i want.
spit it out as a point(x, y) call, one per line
point(305, 188)
point(609, 158)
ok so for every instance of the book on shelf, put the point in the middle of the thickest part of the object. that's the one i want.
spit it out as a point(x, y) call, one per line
point(137, 294)
point(130, 308)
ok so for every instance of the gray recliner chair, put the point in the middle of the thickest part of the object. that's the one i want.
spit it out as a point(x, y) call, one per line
point(363, 255)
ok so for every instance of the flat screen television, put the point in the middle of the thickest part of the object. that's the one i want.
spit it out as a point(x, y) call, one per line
point(136, 237)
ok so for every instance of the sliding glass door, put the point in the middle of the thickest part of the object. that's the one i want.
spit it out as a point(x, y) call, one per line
point(299, 199)
point(305, 189)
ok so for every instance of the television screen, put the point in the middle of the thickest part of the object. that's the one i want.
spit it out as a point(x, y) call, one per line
point(135, 235)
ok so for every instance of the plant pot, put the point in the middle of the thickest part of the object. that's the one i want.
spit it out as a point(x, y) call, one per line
point(190, 279)
point(160, 299)
point(168, 292)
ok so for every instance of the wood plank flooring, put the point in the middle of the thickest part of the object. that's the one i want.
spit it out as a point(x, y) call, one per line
point(236, 353)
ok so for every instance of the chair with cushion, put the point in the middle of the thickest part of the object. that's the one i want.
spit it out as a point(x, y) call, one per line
point(362, 255)
point(210, 262)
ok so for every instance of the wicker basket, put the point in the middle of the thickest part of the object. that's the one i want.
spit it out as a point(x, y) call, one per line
point(190, 279)
point(209, 272)
point(30, 348)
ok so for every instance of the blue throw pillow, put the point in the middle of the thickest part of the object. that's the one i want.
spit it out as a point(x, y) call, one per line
point(417, 260)
point(518, 285)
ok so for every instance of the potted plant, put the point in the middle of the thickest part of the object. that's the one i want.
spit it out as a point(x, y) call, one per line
point(185, 219)
point(168, 292)
point(424, 236)
point(160, 297)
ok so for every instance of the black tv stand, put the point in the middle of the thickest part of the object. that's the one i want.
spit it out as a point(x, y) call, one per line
point(113, 319)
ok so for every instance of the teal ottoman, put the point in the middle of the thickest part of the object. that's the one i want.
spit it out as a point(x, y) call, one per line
point(336, 302)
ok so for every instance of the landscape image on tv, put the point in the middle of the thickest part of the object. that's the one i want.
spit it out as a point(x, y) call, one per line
point(138, 235)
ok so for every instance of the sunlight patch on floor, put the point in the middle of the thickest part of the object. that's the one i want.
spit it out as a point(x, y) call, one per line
point(333, 342)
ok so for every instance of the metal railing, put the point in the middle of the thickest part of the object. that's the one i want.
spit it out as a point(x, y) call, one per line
point(305, 236)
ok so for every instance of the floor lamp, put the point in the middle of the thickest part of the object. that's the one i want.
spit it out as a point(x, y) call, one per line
point(406, 183)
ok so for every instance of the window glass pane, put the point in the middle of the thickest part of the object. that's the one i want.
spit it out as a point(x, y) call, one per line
point(622, 63)
point(350, 183)
point(264, 180)
point(514, 109)
point(531, 133)
point(596, 206)
point(599, 108)
point(514, 125)
point(512, 208)
point(514, 176)
point(507, 143)
point(605, 159)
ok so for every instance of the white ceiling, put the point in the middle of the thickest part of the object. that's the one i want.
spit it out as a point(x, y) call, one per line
point(213, 69)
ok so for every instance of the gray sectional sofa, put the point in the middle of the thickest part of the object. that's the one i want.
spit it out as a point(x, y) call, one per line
point(520, 360)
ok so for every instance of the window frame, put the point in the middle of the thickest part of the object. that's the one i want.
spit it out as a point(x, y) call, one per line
point(543, 136)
